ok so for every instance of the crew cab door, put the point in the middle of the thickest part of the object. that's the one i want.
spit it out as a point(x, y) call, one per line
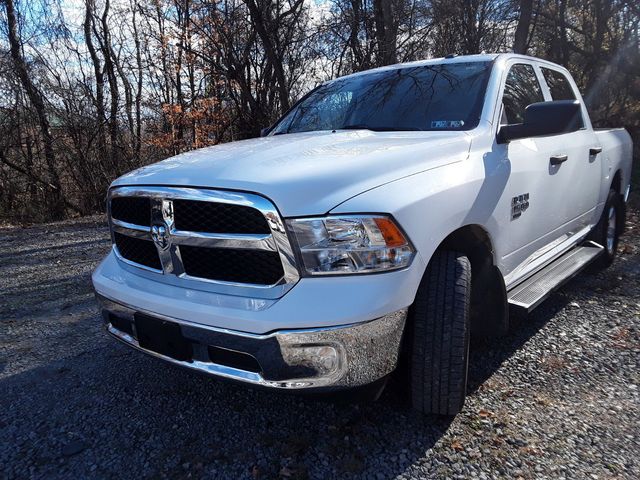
point(543, 204)
point(583, 166)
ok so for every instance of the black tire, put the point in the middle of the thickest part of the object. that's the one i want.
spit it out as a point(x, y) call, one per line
point(440, 341)
point(601, 234)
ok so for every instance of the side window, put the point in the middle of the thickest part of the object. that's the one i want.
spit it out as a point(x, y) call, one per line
point(558, 84)
point(560, 88)
point(521, 90)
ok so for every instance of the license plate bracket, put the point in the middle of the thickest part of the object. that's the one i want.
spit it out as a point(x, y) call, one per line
point(163, 337)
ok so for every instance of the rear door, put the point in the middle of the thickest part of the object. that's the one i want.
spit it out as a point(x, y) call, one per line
point(583, 168)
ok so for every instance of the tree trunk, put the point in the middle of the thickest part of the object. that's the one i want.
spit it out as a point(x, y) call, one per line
point(354, 41)
point(522, 30)
point(138, 130)
point(564, 42)
point(99, 74)
point(57, 207)
point(386, 32)
point(260, 19)
point(109, 68)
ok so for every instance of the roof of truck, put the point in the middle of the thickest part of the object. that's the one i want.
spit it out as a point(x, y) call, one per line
point(482, 57)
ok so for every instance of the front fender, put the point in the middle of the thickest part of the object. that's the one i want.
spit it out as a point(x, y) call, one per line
point(431, 205)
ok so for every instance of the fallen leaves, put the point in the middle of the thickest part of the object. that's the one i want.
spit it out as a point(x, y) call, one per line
point(456, 444)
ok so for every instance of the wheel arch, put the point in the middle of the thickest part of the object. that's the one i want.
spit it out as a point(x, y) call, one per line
point(473, 240)
point(616, 183)
point(489, 307)
point(489, 314)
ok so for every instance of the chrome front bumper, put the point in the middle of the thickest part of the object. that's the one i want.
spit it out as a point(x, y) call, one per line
point(338, 357)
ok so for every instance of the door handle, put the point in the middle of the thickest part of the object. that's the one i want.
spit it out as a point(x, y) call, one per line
point(558, 159)
point(595, 150)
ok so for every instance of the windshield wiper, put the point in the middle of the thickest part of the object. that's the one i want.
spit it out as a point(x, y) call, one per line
point(362, 126)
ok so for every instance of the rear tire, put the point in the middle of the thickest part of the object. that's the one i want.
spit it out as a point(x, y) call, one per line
point(440, 341)
point(608, 229)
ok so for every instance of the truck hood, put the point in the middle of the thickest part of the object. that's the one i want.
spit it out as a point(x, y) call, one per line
point(307, 173)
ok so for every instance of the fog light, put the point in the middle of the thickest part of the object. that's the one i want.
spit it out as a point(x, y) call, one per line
point(324, 359)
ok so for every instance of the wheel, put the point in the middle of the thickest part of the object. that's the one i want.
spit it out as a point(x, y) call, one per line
point(608, 229)
point(440, 337)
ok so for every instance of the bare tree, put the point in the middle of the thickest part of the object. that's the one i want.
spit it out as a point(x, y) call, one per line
point(521, 36)
point(386, 31)
point(136, 81)
point(35, 97)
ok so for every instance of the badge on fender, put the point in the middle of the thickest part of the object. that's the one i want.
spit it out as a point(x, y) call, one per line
point(518, 205)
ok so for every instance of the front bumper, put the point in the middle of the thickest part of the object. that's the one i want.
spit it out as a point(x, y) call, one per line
point(337, 357)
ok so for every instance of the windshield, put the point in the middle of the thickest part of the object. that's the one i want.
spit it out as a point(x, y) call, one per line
point(427, 97)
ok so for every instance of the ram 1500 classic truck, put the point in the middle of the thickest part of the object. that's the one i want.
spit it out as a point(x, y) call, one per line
point(386, 218)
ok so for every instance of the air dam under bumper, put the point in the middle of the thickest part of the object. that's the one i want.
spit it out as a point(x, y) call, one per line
point(341, 357)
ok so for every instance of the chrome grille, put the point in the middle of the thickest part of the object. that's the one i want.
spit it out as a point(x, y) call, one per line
point(230, 241)
point(136, 210)
point(211, 217)
point(138, 250)
point(243, 266)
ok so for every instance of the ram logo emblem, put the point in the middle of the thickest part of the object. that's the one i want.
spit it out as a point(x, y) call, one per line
point(160, 236)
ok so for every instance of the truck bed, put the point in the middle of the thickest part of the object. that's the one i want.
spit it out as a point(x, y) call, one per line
point(617, 148)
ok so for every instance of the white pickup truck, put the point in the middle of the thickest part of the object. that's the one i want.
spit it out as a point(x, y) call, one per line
point(383, 220)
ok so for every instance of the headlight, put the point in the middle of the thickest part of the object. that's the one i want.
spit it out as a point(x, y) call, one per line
point(350, 244)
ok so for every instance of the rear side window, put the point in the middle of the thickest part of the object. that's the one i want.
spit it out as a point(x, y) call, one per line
point(559, 86)
point(521, 90)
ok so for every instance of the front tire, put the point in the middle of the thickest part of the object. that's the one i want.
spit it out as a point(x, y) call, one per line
point(440, 341)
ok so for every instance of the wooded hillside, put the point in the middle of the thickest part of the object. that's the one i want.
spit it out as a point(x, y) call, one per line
point(90, 89)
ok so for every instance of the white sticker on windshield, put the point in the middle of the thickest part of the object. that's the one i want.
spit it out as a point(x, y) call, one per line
point(447, 124)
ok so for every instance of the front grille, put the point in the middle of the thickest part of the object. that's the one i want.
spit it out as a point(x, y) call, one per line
point(137, 250)
point(136, 210)
point(232, 240)
point(238, 266)
point(196, 216)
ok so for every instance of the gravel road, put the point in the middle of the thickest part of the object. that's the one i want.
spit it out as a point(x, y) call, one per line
point(557, 397)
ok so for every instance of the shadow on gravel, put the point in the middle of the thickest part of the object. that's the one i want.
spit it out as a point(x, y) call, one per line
point(109, 410)
point(101, 410)
point(487, 356)
point(86, 245)
point(76, 225)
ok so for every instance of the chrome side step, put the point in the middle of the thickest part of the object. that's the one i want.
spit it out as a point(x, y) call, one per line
point(529, 294)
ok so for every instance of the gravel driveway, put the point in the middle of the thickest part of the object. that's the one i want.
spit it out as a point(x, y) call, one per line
point(558, 397)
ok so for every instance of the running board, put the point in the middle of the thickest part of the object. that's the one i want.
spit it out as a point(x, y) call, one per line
point(529, 294)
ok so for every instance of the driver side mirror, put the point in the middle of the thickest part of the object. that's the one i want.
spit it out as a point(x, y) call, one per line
point(544, 118)
point(265, 131)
